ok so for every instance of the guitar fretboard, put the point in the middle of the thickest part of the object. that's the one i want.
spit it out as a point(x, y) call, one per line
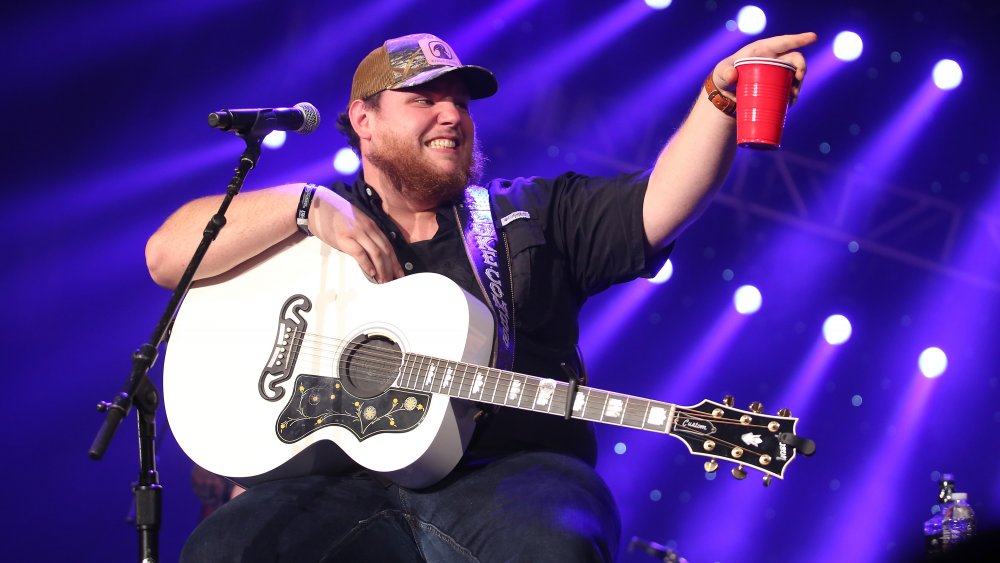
point(510, 389)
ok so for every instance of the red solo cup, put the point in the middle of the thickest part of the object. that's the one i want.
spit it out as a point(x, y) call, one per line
point(763, 90)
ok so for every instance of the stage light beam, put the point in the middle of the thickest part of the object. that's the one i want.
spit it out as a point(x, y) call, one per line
point(847, 46)
point(836, 330)
point(665, 273)
point(275, 139)
point(747, 300)
point(947, 74)
point(658, 4)
point(751, 20)
point(933, 362)
point(346, 162)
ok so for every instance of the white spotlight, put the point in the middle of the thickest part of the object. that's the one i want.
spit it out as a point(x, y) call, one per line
point(847, 46)
point(664, 274)
point(346, 162)
point(932, 362)
point(747, 300)
point(836, 329)
point(947, 74)
point(275, 139)
point(658, 4)
point(751, 20)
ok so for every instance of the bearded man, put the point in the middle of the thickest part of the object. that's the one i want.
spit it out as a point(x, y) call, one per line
point(526, 488)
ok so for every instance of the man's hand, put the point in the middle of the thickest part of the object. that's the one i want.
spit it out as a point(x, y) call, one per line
point(337, 223)
point(781, 47)
point(693, 165)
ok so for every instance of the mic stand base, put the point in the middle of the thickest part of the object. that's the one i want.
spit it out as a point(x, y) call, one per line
point(148, 492)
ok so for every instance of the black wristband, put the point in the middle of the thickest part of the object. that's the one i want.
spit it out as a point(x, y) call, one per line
point(305, 202)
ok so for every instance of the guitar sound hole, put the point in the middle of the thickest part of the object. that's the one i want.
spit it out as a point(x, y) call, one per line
point(369, 365)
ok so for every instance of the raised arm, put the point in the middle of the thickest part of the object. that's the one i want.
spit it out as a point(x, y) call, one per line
point(256, 221)
point(695, 162)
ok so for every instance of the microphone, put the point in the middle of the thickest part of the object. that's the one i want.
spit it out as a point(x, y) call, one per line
point(303, 118)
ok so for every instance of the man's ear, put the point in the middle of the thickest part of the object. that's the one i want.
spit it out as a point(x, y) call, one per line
point(360, 119)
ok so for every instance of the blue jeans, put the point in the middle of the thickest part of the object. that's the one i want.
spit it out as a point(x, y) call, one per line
point(530, 506)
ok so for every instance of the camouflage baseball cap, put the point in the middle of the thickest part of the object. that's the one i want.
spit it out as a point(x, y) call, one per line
point(416, 59)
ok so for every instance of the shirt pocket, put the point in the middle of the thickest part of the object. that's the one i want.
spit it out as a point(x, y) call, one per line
point(526, 245)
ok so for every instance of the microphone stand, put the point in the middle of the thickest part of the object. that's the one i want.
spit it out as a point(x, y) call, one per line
point(138, 389)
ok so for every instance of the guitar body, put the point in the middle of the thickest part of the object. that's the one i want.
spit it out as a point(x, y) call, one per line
point(268, 369)
point(294, 363)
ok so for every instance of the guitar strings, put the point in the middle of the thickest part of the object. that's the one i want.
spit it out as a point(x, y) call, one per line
point(397, 360)
point(746, 449)
point(394, 362)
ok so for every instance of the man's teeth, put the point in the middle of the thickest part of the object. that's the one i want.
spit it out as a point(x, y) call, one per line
point(442, 144)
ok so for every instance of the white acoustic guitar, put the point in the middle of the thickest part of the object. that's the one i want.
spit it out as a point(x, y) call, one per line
point(296, 363)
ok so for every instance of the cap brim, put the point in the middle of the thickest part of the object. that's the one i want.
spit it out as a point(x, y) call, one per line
point(480, 81)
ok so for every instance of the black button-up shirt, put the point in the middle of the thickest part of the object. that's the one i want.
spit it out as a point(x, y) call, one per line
point(569, 237)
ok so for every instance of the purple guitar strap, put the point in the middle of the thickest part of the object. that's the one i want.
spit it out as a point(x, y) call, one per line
point(491, 263)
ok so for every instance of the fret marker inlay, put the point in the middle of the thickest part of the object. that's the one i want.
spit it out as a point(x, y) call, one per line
point(430, 376)
point(657, 416)
point(515, 390)
point(614, 408)
point(545, 389)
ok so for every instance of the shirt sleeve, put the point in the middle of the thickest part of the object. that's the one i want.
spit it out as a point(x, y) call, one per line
point(596, 223)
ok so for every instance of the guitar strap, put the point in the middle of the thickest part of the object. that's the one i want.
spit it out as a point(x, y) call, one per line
point(491, 263)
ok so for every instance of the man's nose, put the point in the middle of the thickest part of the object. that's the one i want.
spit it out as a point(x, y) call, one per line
point(448, 113)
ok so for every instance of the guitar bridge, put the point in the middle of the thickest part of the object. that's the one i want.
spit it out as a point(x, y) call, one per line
point(287, 342)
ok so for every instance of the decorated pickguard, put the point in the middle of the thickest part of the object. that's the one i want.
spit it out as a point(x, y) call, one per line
point(318, 402)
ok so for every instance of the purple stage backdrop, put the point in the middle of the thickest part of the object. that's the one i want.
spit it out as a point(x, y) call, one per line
point(883, 206)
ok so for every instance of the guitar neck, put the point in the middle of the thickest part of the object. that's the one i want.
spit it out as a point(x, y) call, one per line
point(526, 392)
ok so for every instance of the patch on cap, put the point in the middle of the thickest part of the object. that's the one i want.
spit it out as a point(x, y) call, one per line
point(438, 52)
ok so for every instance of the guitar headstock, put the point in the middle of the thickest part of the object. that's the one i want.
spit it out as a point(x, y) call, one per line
point(745, 437)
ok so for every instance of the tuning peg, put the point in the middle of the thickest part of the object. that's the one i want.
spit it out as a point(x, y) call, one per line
point(739, 473)
point(767, 480)
point(728, 400)
point(784, 412)
point(756, 407)
point(711, 466)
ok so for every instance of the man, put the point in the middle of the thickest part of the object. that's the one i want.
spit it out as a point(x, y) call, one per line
point(526, 488)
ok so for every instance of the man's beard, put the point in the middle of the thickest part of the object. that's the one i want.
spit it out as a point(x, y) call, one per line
point(417, 179)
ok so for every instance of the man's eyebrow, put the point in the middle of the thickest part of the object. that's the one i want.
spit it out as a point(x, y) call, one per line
point(423, 91)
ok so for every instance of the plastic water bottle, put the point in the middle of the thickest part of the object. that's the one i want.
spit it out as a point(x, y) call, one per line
point(934, 526)
point(959, 522)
